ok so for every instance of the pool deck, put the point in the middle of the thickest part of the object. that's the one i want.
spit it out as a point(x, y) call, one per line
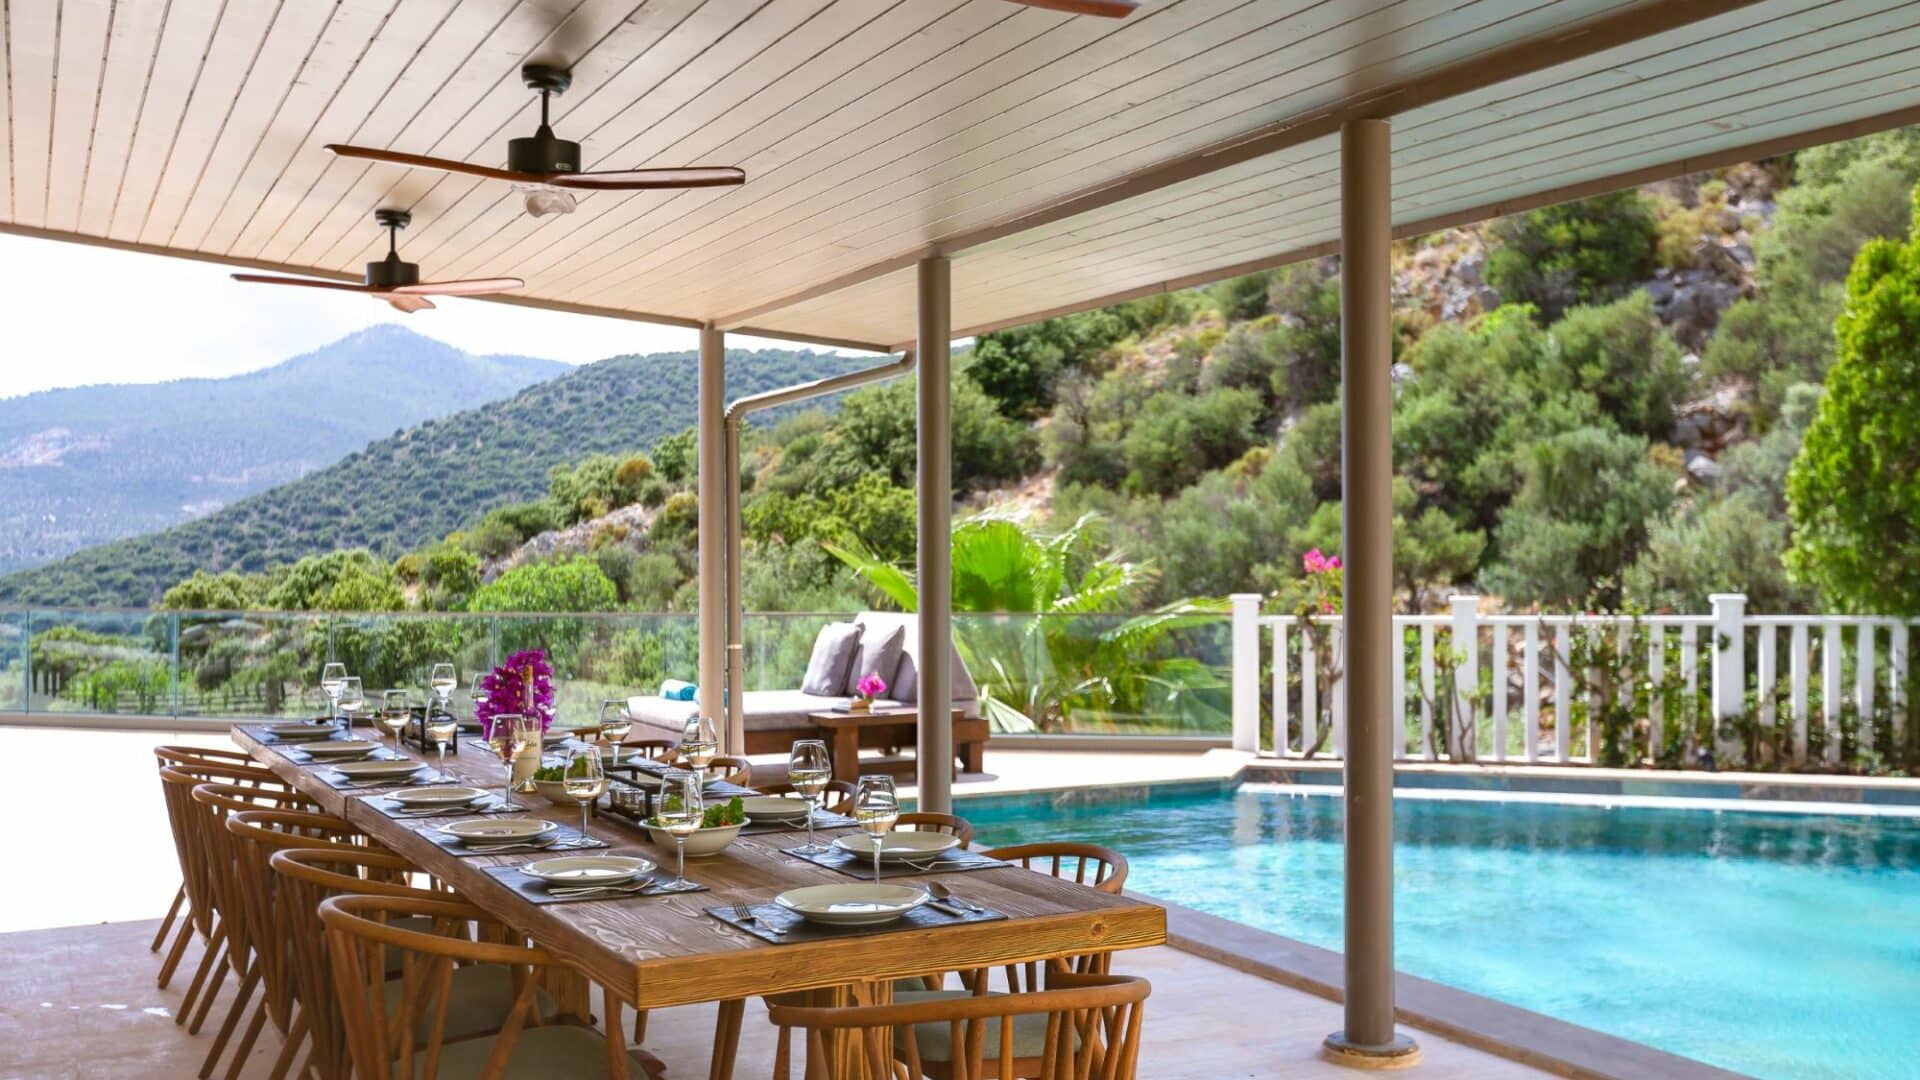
point(80, 999)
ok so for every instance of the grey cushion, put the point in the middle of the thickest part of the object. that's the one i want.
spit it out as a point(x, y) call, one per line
point(478, 1001)
point(540, 1053)
point(833, 653)
point(880, 651)
point(935, 1040)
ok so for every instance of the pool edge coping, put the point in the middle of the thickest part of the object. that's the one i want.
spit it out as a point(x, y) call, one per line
point(1483, 1023)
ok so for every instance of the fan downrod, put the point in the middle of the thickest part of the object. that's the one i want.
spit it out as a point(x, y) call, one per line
point(392, 271)
point(543, 151)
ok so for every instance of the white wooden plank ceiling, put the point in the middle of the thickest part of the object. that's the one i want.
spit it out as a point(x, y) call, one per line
point(875, 131)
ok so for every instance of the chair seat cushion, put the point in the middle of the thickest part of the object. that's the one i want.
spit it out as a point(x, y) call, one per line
point(480, 997)
point(935, 1042)
point(541, 1053)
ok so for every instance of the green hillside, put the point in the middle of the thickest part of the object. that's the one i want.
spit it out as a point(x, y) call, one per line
point(91, 464)
point(422, 482)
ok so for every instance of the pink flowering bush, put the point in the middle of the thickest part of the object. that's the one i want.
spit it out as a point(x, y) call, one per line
point(871, 685)
point(522, 686)
point(1323, 582)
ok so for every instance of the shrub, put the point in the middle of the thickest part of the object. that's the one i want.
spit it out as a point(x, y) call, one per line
point(1852, 494)
point(1178, 437)
point(575, 584)
point(1584, 252)
point(1722, 545)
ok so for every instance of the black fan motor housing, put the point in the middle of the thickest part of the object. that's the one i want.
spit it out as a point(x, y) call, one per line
point(392, 272)
point(542, 152)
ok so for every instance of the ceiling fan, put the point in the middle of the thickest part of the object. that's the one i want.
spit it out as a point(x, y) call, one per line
point(547, 168)
point(1106, 9)
point(393, 280)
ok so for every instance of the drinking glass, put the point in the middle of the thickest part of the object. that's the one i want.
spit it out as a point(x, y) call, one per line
point(351, 698)
point(699, 741)
point(875, 809)
point(614, 724)
point(478, 693)
point(443, 680)
point(332, 678)
point(808, 770)
point(395, 712)
point(501, 741)
point(526, 740)
point(441, 727)
point(584, 779)
point(681, 811)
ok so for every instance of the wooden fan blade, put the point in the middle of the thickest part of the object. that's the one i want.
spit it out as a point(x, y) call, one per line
point(421, 161)
point(311, 283)
point(643, 179)
point(1106, 9)
point(472, 287)
point(406, 302)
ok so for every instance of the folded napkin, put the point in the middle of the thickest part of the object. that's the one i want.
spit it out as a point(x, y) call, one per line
point(677, 690)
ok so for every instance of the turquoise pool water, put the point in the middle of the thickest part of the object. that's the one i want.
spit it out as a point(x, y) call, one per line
point(1781, 945)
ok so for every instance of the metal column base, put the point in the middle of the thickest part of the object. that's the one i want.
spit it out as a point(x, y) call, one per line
point(1401, 1053)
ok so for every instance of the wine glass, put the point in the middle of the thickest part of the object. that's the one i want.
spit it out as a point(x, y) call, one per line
point(395, 712)
point(478, 693)
point(501, 741)
point(350, 698)
point(332, 678)
point(441, 727)
point(809, 771)
point(681, 812)
point(526, 740)
point(875, 809)
point(699, 741)
point(614, 724)
point(584, 779)
point(442, 679)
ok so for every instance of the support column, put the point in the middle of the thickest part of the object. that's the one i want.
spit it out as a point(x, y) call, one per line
point(934, 338)
point(1366, 236)
point(736, 666)
point(713, 527)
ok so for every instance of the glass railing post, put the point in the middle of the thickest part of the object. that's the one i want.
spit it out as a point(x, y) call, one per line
point(173, 664)
point(26, 661)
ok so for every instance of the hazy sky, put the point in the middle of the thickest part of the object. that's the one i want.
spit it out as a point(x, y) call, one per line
point(148, 318)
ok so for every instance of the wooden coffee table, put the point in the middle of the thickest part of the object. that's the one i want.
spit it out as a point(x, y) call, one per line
point(885, 729)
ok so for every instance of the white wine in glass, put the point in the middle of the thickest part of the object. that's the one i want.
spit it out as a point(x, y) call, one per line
point(681, 812)
point(332, 678)
point(585, 779)
point(614, 724)
point(395, 712)
point(501, 741)
point(875, 809)
point(441, 728)
point(351, 698)
point(699, 742)
point(442, 681)
point(809, 771)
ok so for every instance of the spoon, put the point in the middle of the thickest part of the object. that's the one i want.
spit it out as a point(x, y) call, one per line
point(942, 893)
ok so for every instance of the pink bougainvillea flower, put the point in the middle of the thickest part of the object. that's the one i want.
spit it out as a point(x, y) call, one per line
point(1333, 563)
point(871, 685)
point(1313, 561)
point(522, 686)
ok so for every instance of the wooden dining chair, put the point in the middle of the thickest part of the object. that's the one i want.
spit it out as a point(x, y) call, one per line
point(479, 994)
point(837, 799)
point(734, 770)
point(400, 1027)
point(1086, 1027)
point(165, 755)
point(928, 821)
point(258, 834)
point(651, 749)
point(1100, 868)
point(248, 951)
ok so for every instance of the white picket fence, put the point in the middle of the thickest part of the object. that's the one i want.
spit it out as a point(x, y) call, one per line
point(1524, 667)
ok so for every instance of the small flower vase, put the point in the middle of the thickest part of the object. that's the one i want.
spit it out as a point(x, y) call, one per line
point(860, 704)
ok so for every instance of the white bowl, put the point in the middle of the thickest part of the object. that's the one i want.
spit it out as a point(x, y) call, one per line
point(898, 846)
point(498, 830)
point(865, 904)
point(573, 871)
point(703, 843)
point(300, 732)
point(555, 792)
point(340, 748)
point(775, 808)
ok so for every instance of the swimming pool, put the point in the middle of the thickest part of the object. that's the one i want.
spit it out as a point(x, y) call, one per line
point(1781, 945)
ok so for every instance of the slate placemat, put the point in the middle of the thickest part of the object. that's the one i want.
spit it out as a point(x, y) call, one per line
point(534, 891)
point(564, 839)
point(797, 929)
point(958, 860)
point(821, 821)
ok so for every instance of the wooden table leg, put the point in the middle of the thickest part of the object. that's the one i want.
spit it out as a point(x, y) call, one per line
point(846, 753)
point(726, 1038)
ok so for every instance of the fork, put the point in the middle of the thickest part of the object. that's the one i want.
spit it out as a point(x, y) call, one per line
point(747, 915)
point(638, 888)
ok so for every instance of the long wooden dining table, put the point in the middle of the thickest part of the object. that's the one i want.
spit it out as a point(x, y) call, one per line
point(665, 950)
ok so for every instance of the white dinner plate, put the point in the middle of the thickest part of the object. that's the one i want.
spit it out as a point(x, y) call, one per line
point(341, 748)
point(498, 830)
point(300, 732)
point(774, 808)
point(377, 770)
point(895, 846)
point(438, 796)
point(577, 870)
point(867, 904)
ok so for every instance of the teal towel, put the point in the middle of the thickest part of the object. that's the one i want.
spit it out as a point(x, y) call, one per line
point(676, 690)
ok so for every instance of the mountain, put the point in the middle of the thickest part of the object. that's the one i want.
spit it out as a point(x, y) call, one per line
point(420, 483)
point(87, 465)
